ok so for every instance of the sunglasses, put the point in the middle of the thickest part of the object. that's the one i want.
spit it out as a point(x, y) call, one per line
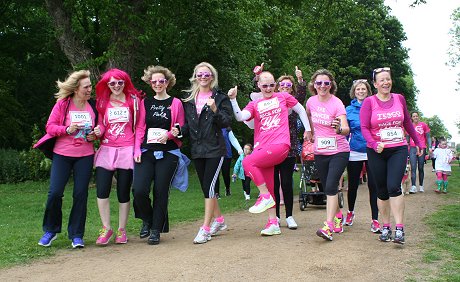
point(113, 83)
point(159, 81)
point(322, 82)
point(285, 84)
point(271, 85)
point(359, 81)
point(379, 70)
point(203, 75)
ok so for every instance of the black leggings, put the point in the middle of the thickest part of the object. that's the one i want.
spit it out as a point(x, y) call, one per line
point(104, 183)
point(388, 167)
point(354, 170)
point(161, 173)
point(208, 173)
point(284, 170)
point(226, 173)
point(330, 169)
point(246, 185)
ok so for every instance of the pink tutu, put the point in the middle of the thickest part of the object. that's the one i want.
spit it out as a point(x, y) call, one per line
point(112, 158)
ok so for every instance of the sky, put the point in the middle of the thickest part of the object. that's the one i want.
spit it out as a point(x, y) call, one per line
point(427, 30)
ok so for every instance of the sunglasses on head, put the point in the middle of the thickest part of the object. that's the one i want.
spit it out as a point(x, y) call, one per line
point(379, 70)
point(271, 85)
point(359, 81)
point(285, 84)
point(322, 82)
point(113, 83)
point(203, 74)
point(159, 81)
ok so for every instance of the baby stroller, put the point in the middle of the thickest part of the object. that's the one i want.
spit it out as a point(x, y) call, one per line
point(311, 190)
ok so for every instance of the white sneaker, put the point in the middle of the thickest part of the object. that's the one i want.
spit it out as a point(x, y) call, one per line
point(247, 197)
point(202, 237)
point(413, 190)
point(291, 224)
point(216, 227)
point(433, 170)
point(271, 229)
point(262, 205)
point(420, 189)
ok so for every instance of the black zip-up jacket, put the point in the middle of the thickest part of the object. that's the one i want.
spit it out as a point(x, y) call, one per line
point(205, 131)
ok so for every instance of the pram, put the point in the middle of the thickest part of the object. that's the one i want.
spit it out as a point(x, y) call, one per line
point(311, 190)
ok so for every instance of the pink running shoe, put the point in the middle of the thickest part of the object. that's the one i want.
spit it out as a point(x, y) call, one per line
point(338, 225)
point(104, 236)
point(121, 237)
point(325, 232)
point(375, 226)
point(350, 218)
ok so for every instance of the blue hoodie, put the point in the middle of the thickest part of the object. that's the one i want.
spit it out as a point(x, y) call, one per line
point(356, 139)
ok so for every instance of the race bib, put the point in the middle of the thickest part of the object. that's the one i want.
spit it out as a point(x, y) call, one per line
point(81, 119)
point(118, 114)
point(391, 135)
point(326, 143)
point(268, 105)
point(153, 134)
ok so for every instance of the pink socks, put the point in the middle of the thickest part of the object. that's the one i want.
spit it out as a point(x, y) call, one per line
point(206, 228)
point(220, 219)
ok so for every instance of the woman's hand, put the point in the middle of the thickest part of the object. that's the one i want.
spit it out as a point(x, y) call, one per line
point(212, 104)
point(137, 159)
point(163, 138)
point(232, 92)
point(380, 147)
point(298, 74)
point(97, 131)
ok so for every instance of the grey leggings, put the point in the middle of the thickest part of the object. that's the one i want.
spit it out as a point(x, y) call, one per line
point(416, 162)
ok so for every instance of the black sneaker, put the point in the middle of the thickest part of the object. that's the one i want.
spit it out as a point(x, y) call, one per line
point(399, 237)
point(154, 238)
point(386, 235)
point(145, 230)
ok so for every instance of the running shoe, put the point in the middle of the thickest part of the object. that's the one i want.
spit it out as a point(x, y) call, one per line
point(47, 239)
point(399, 237)
point(78, 243)
point(325, 232)
point(413, 190)
point(121, 237)
point(291, 224)
point(216, 227)
point(338, 225)
point(375, 226)
point(420, 189)
point(202, 237)
point(145, 230)
point(247, 197)
point(104, 236)
point(386, 235)
point(350, 218)
point(271, 229)
point(262, 205)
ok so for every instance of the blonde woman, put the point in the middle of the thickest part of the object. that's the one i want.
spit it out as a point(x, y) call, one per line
point(71, 123)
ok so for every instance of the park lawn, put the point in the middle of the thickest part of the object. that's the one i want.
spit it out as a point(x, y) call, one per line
point(22, 207)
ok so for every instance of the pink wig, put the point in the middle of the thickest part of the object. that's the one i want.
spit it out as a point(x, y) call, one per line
point(103, 91)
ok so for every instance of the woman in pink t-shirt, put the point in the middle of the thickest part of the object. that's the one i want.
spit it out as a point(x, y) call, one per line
point(118, 107)
point(271, 141)
point(330, 126)
point(384, 117)
point(423, 134)
point(71, 123)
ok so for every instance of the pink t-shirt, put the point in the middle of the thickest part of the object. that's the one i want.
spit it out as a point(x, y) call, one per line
point(327, 141)
point(422, 129)
point(75, 144)
point(201, 100)
point(118, 125)
point(271, 124)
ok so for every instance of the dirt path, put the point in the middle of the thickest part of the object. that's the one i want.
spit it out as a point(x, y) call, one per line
point(240, 253)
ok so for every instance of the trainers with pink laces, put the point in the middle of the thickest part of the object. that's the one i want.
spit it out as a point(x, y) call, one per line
point(325, 232)
point(375, 226)
point(262, 204)
point(350, 218)
point(271, 229)
point(338, 225)
point(121, 237)
point(104, 236)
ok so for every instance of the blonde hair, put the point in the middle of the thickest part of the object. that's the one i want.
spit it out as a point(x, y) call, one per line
point(358, 82)
point(70, 85)
point(150, 70)
point(290, 78)
point(311, 86)
point(195, 87)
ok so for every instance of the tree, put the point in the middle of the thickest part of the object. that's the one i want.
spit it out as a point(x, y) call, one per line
point(437, 127)
point(454, 48)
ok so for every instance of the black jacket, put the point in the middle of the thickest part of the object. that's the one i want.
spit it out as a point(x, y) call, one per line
point(205, 131)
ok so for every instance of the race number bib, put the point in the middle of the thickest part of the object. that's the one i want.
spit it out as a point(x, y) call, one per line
point(118, 114)
point(326, 143)
point(391, 135)
point(268, 105)
point(153, 134)
point(80, 118)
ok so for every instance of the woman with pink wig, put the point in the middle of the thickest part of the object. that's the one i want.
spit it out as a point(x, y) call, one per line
point(117, 103)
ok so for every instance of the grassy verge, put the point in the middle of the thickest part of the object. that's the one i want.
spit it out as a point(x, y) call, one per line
point(22, 206)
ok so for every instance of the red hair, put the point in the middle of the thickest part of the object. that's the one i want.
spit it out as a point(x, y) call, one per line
point(103, 91)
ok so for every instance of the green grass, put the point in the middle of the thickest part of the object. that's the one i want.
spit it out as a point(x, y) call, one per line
point(22, 207)
point(442, 251)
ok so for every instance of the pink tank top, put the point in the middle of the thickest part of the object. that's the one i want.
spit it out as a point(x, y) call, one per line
point(118, 123)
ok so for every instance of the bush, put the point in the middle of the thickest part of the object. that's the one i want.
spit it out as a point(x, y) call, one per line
point(12, 169)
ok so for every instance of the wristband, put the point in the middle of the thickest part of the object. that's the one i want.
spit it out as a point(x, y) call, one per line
point(67, 130)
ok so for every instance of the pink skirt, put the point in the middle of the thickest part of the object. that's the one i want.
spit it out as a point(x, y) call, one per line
point(112, 158)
